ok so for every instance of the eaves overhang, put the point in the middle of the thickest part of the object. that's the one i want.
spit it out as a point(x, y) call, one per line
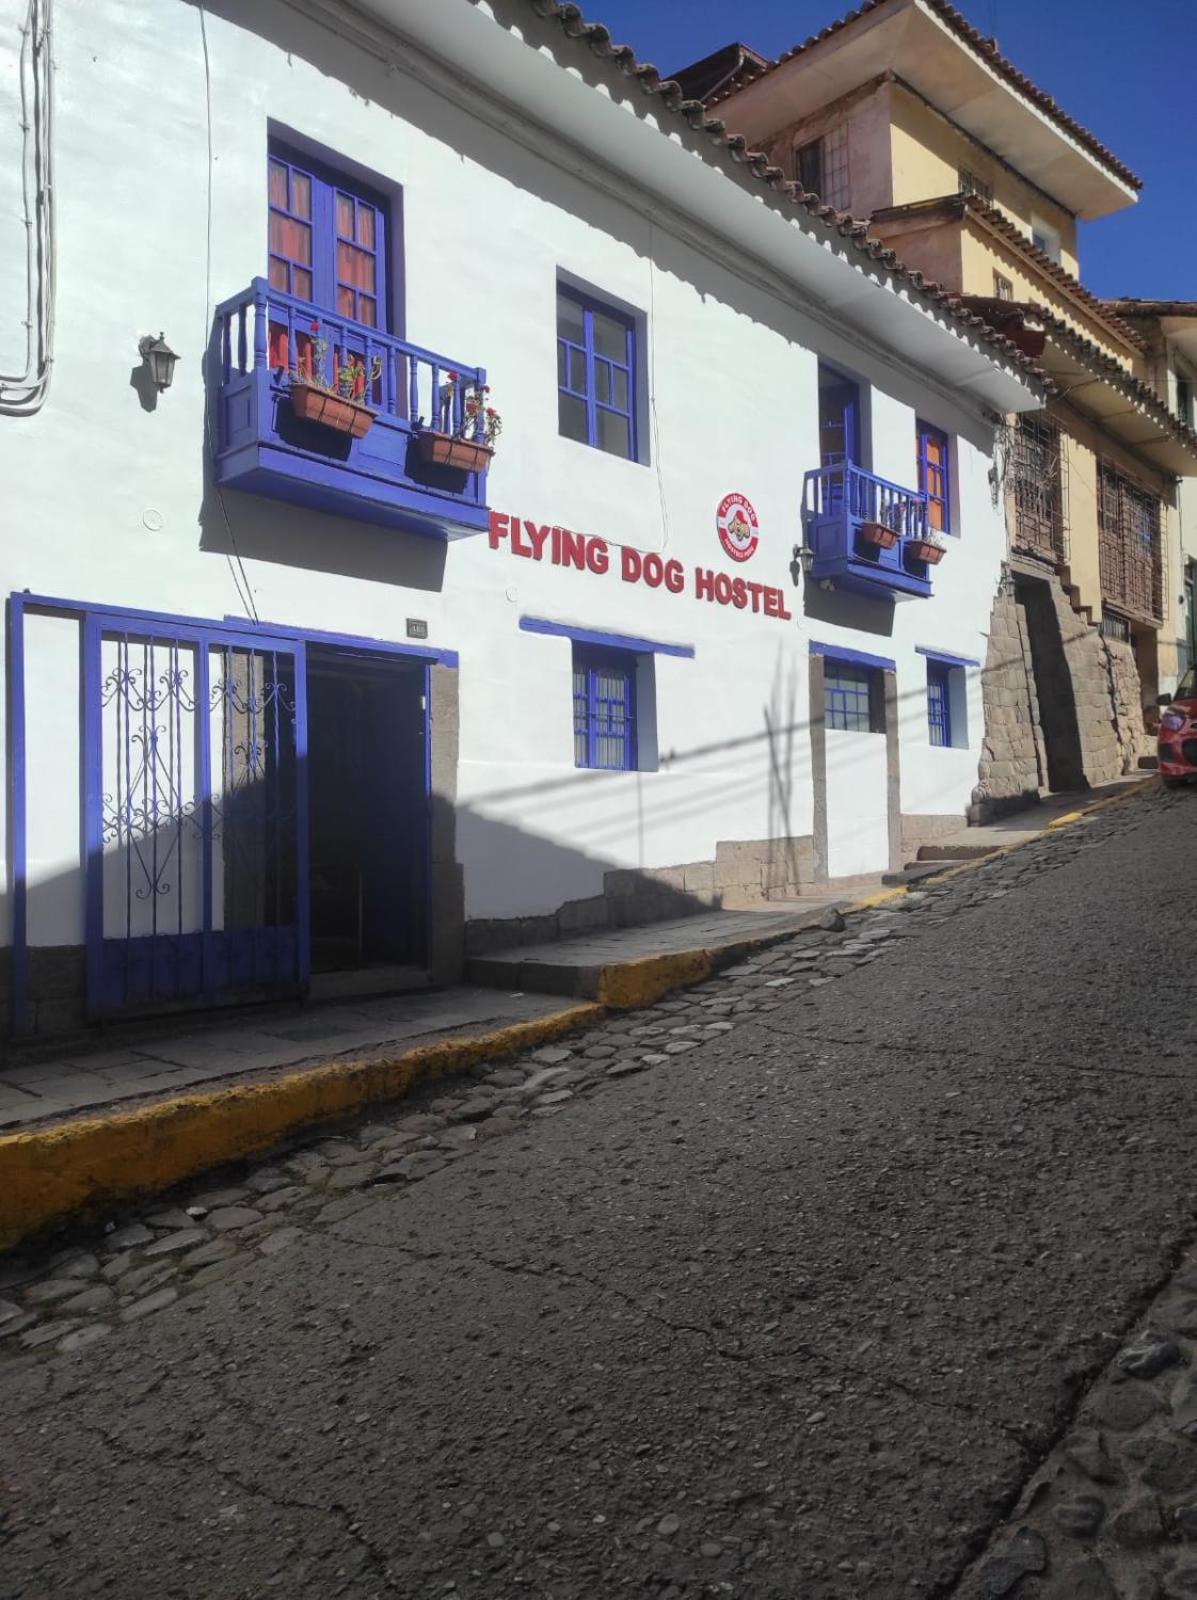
point(1125, 407)
point(560, 84)
point(1175, 320)
point(931, 47)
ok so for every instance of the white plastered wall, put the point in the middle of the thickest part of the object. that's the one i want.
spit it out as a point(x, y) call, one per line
point(112, 503)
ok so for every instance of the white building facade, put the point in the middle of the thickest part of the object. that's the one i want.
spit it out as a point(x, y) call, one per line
point(296, 692)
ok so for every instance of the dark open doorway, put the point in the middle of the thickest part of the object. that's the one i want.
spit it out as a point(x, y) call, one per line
point(1053, 687)
point(368, 812)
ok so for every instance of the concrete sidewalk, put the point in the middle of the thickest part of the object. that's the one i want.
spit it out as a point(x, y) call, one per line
point(138, 1064)
point(214, 1052)
point(1021, 826)
point(135, 1066)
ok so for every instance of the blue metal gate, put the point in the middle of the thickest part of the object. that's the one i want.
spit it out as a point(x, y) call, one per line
point(195, 812)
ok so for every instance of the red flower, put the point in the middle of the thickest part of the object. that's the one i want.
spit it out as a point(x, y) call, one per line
point(490, 411)
point(452, 377)
point(313, 327)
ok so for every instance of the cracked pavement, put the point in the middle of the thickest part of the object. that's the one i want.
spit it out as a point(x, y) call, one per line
point(797, 1313)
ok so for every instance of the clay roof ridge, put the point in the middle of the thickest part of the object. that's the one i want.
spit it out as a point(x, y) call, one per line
point(988, 51)
point(1127, 306)
point(670, 94)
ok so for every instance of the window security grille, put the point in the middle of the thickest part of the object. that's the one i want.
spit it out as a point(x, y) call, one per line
point(1036, 477)
point(971, 184)
point(939, 709)
point(1129, 544)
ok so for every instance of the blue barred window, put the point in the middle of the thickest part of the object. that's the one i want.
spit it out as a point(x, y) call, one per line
point(851, 697)
point(604, 709)
point(596, 374)
point(939, 703)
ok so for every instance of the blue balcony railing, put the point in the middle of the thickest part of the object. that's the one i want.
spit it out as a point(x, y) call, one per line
point(262, 340)
point(837, 502)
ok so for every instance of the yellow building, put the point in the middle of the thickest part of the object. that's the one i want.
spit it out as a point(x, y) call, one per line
point(907, 117)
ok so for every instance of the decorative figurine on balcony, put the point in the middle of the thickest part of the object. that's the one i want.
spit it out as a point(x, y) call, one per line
point(338, 403)
point(466, 430)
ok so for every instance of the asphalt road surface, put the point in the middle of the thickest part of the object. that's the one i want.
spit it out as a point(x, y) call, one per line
point(795, 1311)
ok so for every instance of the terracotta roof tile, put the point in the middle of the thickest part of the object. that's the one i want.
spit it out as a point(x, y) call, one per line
point(988, 51)
point(669, 93)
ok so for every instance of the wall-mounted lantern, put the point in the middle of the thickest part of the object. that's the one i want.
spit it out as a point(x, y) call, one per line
point(159, 359)
point(803, 560)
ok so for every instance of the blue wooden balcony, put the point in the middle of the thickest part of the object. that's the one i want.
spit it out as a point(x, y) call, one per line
point(263, 339)
point(836, 502)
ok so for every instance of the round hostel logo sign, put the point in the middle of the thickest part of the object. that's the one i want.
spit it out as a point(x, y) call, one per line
point(739, 531)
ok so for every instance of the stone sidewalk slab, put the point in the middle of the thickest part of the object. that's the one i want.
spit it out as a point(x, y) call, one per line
point(599, 966)
point(33, 1093)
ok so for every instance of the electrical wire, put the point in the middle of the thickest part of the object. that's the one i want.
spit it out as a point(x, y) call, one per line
point(652, 384)
point(22, 394)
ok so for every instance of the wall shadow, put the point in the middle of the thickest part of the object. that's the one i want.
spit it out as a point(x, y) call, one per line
point(612, 895)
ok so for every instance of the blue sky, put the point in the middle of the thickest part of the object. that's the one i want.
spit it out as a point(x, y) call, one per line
point(1123, 68)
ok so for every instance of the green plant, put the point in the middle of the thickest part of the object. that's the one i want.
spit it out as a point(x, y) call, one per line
point(480, 422)
point(350, 379)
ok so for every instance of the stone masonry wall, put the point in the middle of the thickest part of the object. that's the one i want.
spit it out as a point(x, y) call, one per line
point(1085, 654)
point(1099, 677)
point(1010, 765)
point(1126, 695)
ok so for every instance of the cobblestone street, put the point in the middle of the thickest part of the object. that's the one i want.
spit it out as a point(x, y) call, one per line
point(860, 1270)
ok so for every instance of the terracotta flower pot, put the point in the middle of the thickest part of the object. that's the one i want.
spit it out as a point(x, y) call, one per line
point(330, 410)
point(878, 534)
point(923, 550)
point(447, 450)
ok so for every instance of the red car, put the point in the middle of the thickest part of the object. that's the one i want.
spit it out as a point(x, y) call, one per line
point(1178, 732)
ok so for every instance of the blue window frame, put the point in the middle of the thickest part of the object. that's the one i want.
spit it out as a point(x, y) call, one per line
point(327, 238)
point(934, 481)
point(839, 419)
point(604, 709)
point(939, 703)
point(852, 697)
point(596, 374)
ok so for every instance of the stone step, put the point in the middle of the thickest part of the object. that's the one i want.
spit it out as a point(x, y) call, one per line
point(912, 872)
point(956, 850)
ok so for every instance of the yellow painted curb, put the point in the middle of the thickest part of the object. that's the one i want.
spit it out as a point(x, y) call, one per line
point(51, 1173)
point(1069, 817)
point(880, 899)
point(638, 983)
